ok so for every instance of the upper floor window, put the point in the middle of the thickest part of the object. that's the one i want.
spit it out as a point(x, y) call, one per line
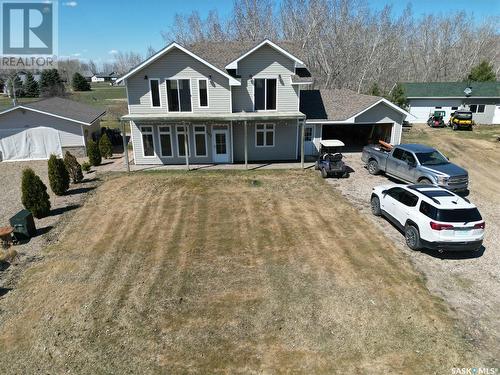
point(179, 95)
point(265, 94)
point(203, 92)
point(154, 85)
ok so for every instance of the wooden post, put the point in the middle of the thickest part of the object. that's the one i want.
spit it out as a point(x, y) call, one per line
point(186, 149)
point(302, 137)
point(246, 144)
point(125, 148)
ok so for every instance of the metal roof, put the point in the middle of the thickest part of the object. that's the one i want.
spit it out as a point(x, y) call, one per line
point(451, 89)
point(236, 116)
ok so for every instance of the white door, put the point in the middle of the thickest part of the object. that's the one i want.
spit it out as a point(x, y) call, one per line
point(496, 115)
point(309, 147)
point(220, 146)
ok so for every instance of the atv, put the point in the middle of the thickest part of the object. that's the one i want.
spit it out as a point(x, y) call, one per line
point(461, 120)
point(437, 120)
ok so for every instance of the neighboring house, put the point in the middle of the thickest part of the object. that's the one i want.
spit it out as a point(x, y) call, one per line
point(34, 131)
point(105, 77)
point(234, 102)
point(482, 98)
point(87, 74)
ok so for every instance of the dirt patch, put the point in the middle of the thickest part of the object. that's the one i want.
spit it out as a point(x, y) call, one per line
point(469, 283)
point(225, 272)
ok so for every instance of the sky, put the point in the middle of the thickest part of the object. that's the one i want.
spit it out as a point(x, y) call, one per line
point(96, 29)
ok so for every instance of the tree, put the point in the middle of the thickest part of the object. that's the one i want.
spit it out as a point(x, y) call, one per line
point(34, 194)
point(79, 83)
point(15, 86)
point(58, 175)
point(375, 90)
point(483, 72)
point(93, 153)
point(31, 89)
point(51, 83)
point(105, 147)
point(398, 96)
point(73, 167)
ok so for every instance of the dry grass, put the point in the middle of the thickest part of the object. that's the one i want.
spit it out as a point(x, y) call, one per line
point(210, 272)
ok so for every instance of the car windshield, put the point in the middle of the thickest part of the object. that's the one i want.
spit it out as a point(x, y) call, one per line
point(431, 158)
point(463, 115)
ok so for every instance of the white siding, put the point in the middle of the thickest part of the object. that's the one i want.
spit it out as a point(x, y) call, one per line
point(70, 133)
point(179, 65)
point(423, 108)
point(266, 62)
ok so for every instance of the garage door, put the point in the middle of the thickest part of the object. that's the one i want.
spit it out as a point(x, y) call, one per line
point(356, 136)
point(29, 144)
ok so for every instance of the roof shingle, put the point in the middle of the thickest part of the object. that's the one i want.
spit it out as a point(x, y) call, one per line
point(68, 109)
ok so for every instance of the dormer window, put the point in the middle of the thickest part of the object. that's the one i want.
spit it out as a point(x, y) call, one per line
point(265, 94)
point(179, 95)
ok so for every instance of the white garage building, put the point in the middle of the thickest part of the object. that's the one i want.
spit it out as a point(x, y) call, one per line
point(36, 130)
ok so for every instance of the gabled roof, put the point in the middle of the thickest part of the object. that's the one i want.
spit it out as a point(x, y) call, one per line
point(64, 109)
point(164, 51)
point(451, 89)
point(234, 64)
point(339, 104)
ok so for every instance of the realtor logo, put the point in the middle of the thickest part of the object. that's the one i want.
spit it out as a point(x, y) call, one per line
point(28, 34)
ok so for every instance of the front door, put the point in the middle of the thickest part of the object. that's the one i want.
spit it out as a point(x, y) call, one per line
point(309, 147)
point(220, 146)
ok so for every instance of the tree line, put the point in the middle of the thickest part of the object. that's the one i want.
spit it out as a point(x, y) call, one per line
point(346, 44)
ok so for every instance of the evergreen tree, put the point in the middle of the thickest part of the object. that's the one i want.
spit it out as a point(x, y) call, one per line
point(51, 83)
point(34, 194)
point(31, 89)
point(58, 175)
point(74, 168)
point(105, 147)
point(79, 83)
point(483, 72)
point(93, 153)
point(375, 89)
point(398, 96)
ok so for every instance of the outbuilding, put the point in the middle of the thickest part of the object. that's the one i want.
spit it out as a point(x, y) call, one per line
point(34, 131)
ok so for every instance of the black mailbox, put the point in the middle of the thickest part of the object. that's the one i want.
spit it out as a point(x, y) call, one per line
point(23, 224)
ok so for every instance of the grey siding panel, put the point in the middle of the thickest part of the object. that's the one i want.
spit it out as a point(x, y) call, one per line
point(70, 133)
point(285, 143)
point(266, 62)
point(178, 64)
point(489, 110)
point(381, 113)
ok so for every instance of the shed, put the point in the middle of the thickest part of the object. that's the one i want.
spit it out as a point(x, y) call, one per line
point(34, 131)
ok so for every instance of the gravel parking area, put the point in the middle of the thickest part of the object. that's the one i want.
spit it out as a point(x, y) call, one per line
point(48, 227)
point(469, 283)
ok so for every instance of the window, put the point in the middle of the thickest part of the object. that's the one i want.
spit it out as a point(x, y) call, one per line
point(460, 215)
point(181, 150)
point(165, 141)
point(179, 95)
point(203, 92)
point(200, 140)
point(398, 153)
point(395, 193)
point(438, 107)
point(432, 158)
point(147, 141)
point(154, 85)
point(408, 157)
point(477, 108)
point(265, 94)
point(264, 135)
point(308, 134)
point(408, 199)
point(454, 108)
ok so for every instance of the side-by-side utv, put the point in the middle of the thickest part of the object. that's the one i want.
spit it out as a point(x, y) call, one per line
point(461, 120)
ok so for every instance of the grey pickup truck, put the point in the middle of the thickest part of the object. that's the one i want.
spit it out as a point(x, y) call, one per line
point(416, 164)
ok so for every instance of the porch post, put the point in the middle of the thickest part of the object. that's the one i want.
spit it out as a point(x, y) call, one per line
point(302, 137)
point(125, 148)
point(186, 150)
point(246, 144)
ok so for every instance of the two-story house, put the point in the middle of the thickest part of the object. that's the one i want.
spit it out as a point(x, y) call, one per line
point(229, 102)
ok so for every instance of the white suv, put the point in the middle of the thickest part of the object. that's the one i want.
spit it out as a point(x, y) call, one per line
point(430, 216)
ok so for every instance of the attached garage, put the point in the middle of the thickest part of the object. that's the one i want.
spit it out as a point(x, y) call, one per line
point(355, 119)
point(36, 130)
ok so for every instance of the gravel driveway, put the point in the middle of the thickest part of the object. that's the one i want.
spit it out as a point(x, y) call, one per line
point(48, 227)
point(469, 283)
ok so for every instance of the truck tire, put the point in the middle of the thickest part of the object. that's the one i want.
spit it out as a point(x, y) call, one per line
point(324, 173)
point(373, 167)
point(375, 205)
point(412, 237)
point(425, 181)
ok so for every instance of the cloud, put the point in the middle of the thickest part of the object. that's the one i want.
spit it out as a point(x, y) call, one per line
point(113, 52)
point(76, 54)
point(71, 4)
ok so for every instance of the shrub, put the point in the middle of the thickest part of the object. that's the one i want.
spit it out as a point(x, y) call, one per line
point(73, 167)
point(58, 175)
point(34, 194)
point(93, 153)
point(86, 166)
point(79, 83)
point(105, 147)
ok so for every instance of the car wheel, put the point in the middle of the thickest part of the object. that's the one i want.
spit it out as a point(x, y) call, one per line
point(345, 175)
point(373, 167)
point(455, 127)
point(316, 166)
point(425, 181)
point(375, 204)
point(324, 173)
point(412, 237)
